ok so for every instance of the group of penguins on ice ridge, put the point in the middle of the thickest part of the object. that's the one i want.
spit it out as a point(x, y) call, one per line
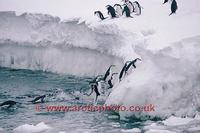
point(129, 7)
point(94, 84)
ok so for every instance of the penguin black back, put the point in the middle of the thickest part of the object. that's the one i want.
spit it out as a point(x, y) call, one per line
point(36, 100)
point(174, 7)
point(100, 15)
point(111, 11)
point(8, 103)
point(123, 70)
point(127, 11)
point(107, 73)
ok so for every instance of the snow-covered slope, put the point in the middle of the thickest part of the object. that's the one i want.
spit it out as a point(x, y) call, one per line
point(167, 77)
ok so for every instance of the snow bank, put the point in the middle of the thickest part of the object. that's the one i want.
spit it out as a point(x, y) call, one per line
point(42, 42)
point(168, 79)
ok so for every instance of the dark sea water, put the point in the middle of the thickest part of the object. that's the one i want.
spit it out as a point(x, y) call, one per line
point(24, 85)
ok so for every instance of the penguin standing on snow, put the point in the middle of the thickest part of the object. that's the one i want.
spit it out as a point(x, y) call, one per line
point(118, 9)
point(174, 7)
point(137, 7)
point(129, 5)
point(99, 14)
point(111, 11)
point(127, 11)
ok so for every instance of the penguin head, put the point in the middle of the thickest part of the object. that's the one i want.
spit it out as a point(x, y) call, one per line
point(95, 12)
point(114, 74)
point(118, 5)
point(124, 5)
point(108, 6)
point(125, 1)
point(139, 59)
point(127, 62)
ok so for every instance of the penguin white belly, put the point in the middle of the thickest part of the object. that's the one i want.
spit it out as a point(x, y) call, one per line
point(98, 16)
point(130, 7)
point(110, 15)
point(136, 9)
point(119, 11)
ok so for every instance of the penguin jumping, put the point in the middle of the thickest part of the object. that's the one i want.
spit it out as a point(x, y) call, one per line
point(123, 70)
point(132, 63)
point(127, 11)
point(100, 15)
point(110, 81)
point(39, 99)
point(111, 11)
point(8, 103)
point(97, 79)
point(174, 7)
point(107, 72)
point(118, 9)
point(94, 88)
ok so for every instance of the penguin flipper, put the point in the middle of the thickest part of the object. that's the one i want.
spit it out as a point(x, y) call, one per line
point(104, 18)
point(170, 14)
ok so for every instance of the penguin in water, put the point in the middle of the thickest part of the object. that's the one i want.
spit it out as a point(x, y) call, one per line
point(107, 72)
point(165, 1)
point(100, 15)
point(127, 11)
point(123, 70)
point(39, 99)
point(111, 11)
point(132, 63)
point(110, 81)
point(174, 7)
point(8, 104)
point(94, 88)
point(137, 7)
point(118, 9)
